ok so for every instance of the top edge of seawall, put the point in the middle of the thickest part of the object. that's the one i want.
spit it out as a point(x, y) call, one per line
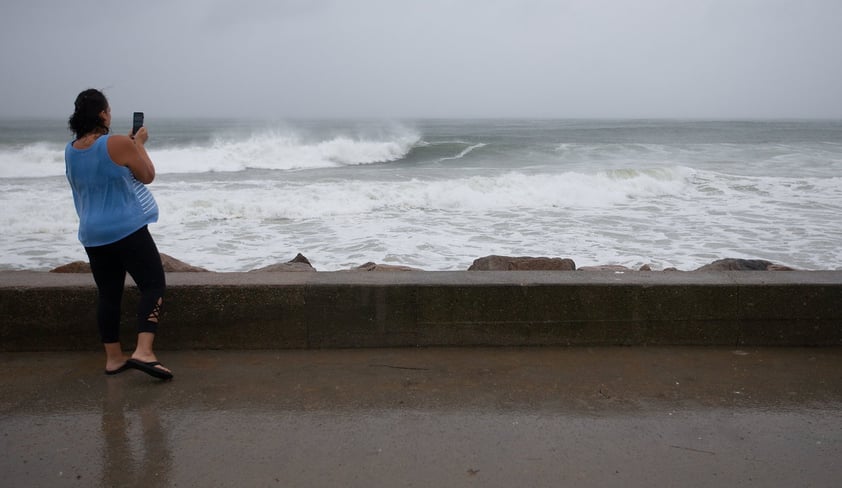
point(43, 279)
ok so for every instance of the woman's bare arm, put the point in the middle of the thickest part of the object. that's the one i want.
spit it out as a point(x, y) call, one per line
point(131, 153)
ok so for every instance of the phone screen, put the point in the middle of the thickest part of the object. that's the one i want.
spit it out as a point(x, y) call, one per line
point(137, 122)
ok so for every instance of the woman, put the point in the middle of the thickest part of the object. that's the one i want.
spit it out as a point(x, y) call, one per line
point(107, 174)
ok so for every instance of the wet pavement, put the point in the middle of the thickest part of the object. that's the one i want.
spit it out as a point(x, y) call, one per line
point(487, 417)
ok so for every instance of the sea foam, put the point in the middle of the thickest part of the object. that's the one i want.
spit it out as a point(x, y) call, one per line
point(40, 159)
point(236, 197)
point(279, 199)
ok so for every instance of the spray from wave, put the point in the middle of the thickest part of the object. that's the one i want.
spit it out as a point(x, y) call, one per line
point(286, 149)
point(283, 151)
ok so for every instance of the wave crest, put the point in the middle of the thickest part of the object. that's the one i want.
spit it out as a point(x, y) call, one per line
point(272, 150)
point(511, 191)
point(280, 151)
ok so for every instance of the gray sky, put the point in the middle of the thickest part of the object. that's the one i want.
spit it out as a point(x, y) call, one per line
point(426, 58)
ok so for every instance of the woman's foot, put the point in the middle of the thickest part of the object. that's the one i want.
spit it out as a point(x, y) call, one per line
point(150, 366)
point(117, 366)
point(115, 359)
point(143, 357)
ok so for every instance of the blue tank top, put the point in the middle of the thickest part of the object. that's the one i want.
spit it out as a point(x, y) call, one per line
point(110, 202)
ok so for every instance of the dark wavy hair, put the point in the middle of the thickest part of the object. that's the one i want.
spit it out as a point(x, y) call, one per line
point(85, 119)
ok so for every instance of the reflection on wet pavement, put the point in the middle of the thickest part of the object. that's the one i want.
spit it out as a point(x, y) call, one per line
point(428, 417)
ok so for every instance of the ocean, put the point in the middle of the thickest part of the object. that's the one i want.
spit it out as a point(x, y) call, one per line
point(236, 195)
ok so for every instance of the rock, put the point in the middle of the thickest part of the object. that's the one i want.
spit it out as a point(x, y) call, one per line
point(383, 267)
point(300, 258)
point(645, 267)
point(506, 263)
point(732, 264)
point(170, 264)
point(74, 267)
point(298, 264)
point(285, 268)
point(173, 265)
point(605, 267)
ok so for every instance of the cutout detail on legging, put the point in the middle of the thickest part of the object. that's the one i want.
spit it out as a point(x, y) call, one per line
point(156, 312)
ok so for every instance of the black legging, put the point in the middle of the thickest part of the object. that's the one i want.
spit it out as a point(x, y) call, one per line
point(138, 255)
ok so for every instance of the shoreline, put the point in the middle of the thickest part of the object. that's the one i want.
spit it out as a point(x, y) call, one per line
point(300, 263)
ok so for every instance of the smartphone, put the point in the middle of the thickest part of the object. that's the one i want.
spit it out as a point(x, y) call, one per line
point(137, 122)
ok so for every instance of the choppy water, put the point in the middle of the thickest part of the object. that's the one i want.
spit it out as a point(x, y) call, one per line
point(236, 195)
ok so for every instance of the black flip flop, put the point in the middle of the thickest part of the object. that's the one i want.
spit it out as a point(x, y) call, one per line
point(150, 369)
point(126, 366)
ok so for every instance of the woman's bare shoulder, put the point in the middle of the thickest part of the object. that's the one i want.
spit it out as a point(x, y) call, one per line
point(121, 148)
point(120, 139)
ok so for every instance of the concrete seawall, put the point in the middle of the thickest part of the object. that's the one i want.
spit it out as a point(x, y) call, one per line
point(55, 312)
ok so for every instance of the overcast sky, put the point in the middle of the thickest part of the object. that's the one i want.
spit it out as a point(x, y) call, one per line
point(426, 58)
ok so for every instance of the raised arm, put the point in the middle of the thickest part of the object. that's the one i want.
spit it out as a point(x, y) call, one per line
point(131, 153)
